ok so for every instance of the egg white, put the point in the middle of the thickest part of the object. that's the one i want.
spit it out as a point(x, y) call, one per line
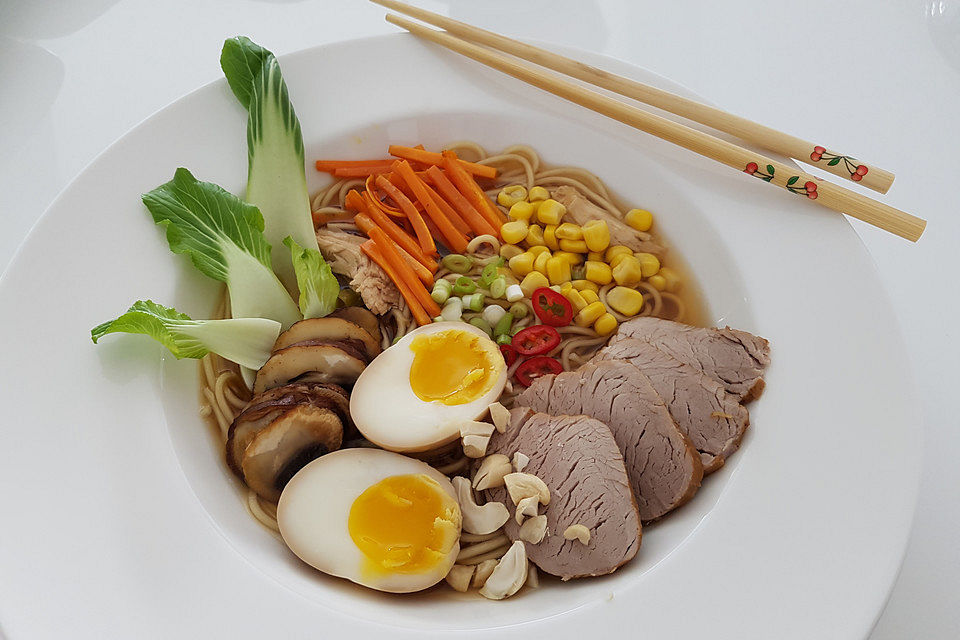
point(314, 509)
point(387, 411)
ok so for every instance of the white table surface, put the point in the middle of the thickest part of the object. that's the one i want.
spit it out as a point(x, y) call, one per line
point(880, 79)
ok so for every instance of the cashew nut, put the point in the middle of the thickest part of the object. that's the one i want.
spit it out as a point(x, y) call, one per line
point(534, 529)
point(459, 577)
point(577, 532)
point(520, 461)
point(509, 574)
point(524, 485)
point(491, 472)
point(475, 446)
point(474, 428)
point(500, 416)
point(484, 569)
point(527, 508)
point(533, 578)
point(478, 519)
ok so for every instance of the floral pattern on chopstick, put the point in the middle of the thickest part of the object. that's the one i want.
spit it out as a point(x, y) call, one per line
point(852, 165)
point(808, 188)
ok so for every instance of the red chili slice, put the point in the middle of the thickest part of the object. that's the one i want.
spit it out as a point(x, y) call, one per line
point(551, 307)
point(535, 367)
point(509, 354)
point(535, 340)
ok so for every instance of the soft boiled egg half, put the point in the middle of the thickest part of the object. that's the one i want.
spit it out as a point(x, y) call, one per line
point(415, 395)
point(377, 518)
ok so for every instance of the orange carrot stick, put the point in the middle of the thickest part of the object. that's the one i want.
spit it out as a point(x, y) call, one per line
point(451, 236)
point(329, 166)
point(448, 211)
point(449, 191)
point(423, 234)
point(360, 172)
point(364, 223)
point(354, 201)
point(397, 234)
point(373, 252)
point(471, 190)
point(404, 271)
point(430, 157)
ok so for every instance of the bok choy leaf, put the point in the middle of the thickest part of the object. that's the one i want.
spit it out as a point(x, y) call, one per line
point(276, 182)
point(318, 286)
point(223, 236)
point(246, 341)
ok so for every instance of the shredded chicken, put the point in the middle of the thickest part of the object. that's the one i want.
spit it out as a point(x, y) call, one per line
point(342, 251)
point(580, 209)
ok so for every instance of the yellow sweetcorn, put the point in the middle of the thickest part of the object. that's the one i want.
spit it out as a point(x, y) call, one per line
point(558, 270)
point(540, 262)
point(569, 231)
point(639, 219)
point(589, 295)
point(649, 264)
point(573, 246)
point(596, 234)
point(671, 277)
point(522, 264)
point(595, 256)
point(522, 211)
point(566, 287)
point(577, 301)
point(514, 232)
point(572, 258)
point(605, 324)
point(538, 194)
point(628, 272)
point(581, 285)
point(625, 301)
point(533, 281)
point(658, 282)
point(511, 195)
point(508, 251)
point(598, 272)
point(537, 250)
point(550, 212)
point(550, 237)
point(534, 236)
point(589, 314)
point(613, 251)
point(615, 260)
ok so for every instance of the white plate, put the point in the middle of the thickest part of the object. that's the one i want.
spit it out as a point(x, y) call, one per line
point(122, 521)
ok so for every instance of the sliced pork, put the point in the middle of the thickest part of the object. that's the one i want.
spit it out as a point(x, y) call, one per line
point(663, 466)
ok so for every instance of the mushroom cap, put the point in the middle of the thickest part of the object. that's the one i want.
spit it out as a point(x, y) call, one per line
point(363, 318)
point(299, 435)
point(332, 362)
point(328, 329)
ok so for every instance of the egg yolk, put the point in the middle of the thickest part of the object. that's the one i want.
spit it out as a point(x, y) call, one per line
point(453, 367)
point(404, 524)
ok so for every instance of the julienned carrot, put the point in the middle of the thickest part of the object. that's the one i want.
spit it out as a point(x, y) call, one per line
point(354, 201)
point(471, 190)
point(365, 223)
point(448, 210)
point(360, 172)
point(397, 234)
point(404, 271)
point(449, 191)
point(373, 252)
point(423, 234)
point(394, 212)
point(450, 234)
point(433, 158)
point(329, 166)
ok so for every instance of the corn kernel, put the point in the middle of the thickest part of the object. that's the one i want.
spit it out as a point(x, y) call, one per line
point(658, 282)
point(628, 272)
point(537, 250)
point(572, 258)
point(596, 233)
point(522, 264)
point(625, 301)
point(617, 249)
point(558, 270)
point(574, 246)
point(581, 285)
point(595, 256)
point(605, 324)
point(539, 194)
point(589, 295)
point(671, 277)
point(550, 211)
point(534, 236)
point(569, 231)
point(550, 237)
point(615, 260)
point(598, 272)
point(577, 301)
point(649, 264)
point(508, 251)
point(533, 281)
point(639, 219)
point(566, 287)
point(540, 262)
point(511, 195)
point(589, 314)
point(522, 211)
point(513, 232)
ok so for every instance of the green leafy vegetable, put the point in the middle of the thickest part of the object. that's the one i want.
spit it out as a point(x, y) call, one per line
point(318, 285)
point(276, 182)
point(224, 238)
point(246, 341)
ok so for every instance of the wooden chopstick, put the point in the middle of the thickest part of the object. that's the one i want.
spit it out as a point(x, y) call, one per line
point(765, 137)
point(776, 173)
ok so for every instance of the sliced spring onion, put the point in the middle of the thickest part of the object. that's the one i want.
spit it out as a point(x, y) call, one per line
point(483, 325)
point(490, 273)
point(457, 263)
point(452, 310)
point(514, 293)
point(441, 291)
point(493, 313)
point(504, 339)
point(463, 286)
point(498, 288)
point(519, 310)
point(503, 325)
point(473, 302)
